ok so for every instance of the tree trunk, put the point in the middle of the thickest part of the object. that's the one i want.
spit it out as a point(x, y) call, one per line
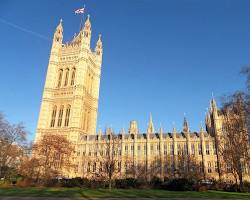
point(241, 183)
point(110, 184)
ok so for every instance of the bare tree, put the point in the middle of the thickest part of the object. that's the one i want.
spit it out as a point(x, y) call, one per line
point(188, 167)
point(12, 143)
point(234, 146)
point(51, 157)
point(110, 159)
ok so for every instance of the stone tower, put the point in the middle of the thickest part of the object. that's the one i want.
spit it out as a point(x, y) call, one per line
point(70, 98)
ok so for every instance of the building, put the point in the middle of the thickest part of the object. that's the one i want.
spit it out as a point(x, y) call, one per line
point(70, 98)
point(69, 108)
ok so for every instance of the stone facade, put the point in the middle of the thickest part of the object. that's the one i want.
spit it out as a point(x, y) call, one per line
point(70, 98)
point(69, 108)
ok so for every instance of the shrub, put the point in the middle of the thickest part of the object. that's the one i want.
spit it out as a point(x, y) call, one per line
point(181, 184)
point(246, 186)
point(156, 182)
point(127, 183)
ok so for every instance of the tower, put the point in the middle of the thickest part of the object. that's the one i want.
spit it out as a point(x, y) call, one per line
point(70, 98)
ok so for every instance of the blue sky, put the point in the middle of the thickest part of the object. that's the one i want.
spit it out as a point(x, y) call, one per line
point(160, 56)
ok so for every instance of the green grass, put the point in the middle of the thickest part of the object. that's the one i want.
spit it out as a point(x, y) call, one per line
point(105, 193)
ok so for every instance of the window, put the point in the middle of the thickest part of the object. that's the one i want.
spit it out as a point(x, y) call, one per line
point(88, 168)
point(199, 148)
point(192, 149)
point(59, 78)
point(185, 149)
point(214, 148)
point(132, 149)
point(119, 166)
point(201, 167)
point(60, 116)
point(138, 149)
point(53, 117)
point(207, 148)
point(209, 167)
point(179, 149)
point(73, 74)
point(66, 77)
point(172, 149)
point(66, 122)
point(165, 149)
point(94, 167)
point(216, 166)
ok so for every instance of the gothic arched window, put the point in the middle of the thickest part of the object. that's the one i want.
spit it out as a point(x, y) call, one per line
point(53, 117)
point(66, 123)
point(73, 74)
point(66, 77)
point(60, 116)
point(59, 78)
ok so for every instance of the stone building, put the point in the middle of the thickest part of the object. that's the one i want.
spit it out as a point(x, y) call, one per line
point(69, 108)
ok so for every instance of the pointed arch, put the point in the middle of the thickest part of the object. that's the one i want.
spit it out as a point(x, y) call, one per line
point(60, 116)
point(66, 122)
point(66, 77)
point(73, 74)
point(53, 117)
point(59, 81)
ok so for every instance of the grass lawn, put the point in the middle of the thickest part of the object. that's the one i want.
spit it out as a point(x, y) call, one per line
point(105, 193)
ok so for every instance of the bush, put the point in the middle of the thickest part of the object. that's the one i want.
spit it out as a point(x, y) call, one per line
point(246, 186)
point(181, 184)
point(127, 183)
point(156, 182)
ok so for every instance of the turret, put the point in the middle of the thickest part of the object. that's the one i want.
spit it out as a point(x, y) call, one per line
point(185, 126)
point(161, 133)
point(86, 33)
point(58, 35)
point(133, 127)
point(213, 106)
point(98, 49)
point(151, 128)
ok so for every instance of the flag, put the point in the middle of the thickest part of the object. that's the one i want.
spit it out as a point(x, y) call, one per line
point(79, 11)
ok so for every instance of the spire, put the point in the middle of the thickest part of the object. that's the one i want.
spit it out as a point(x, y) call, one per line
point(202, 130)
point(58, 35)
point(174, 132)
point(185, 125)
point(151, 128)
point(161, 132)
point(213, 103)
point(87, 32)
point(98, 48)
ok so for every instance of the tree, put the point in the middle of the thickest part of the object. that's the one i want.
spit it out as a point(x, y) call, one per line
point(12, 144)
point(188, 167)
point(234, 146)
point(109, 160)
point(51, 157)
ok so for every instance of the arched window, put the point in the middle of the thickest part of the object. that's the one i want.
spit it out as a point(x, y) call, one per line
point(66, 123)
point(59, 78)
point(60, 116)
point(66, 77)
point(53, 117)
point(73, 74)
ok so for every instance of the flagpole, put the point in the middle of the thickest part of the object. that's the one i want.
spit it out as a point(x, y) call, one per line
point(82, 18)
